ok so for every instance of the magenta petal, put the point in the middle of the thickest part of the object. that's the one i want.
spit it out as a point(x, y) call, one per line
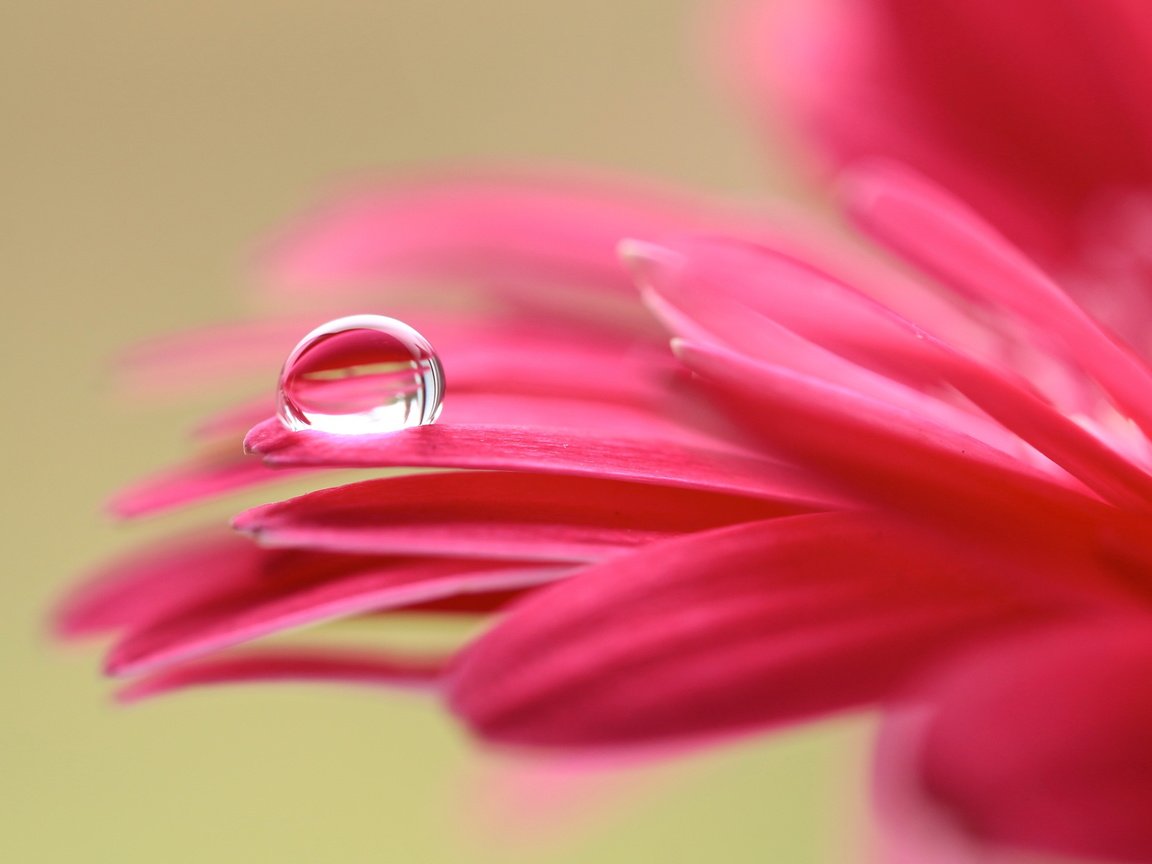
point(543, 231)
point(197, 480)
point(788, 314)
point(496, 514)
point(638, 410)
point(1039, 743)
point(929, 228)
point(806, 415)
point(277, 602)
point(1027, 109)
point(290, 665)
point(173, 579)
point(547, 451)
point(175, 573)
point(821, 612)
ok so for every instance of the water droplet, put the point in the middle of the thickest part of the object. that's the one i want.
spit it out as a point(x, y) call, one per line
point(363, 374)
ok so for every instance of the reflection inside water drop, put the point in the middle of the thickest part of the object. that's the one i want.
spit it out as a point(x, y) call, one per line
point(363, 374)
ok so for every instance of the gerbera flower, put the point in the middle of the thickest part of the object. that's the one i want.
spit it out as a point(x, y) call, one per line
point(842, 487)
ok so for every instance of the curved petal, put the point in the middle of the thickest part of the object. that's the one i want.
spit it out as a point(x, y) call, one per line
point(199, 479)
point(548, 451)
point(496, 514)
point(172, 578)
point(173, 573)
point(936, 232)
point(1038, 744)
point(680, 424)
point(724, 631)
point(791, 315)
point(337, 666)
point(901, 460)
point(326, 592)
point(1029, 110)
point(544, 230)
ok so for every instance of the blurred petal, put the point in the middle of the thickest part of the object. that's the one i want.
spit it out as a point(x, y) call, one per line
point(175, 572)
point(200, 479)
point(936, 232)
point(201, 568)
point(1029, 110)
point(792, 316)
point(324, 592)
point(548, 230)
point(821, 612)
point(1039, 743)
point(497, 514)
point(290, 665)
point(548, 451)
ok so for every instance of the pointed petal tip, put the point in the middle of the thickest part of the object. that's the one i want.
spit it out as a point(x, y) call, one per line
point(262, 437)
point(633, 252)
point(867, 181)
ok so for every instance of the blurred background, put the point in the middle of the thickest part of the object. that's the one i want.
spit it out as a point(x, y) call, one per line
point(147, 146)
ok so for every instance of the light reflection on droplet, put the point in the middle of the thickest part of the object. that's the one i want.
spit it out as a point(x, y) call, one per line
point(363, 374)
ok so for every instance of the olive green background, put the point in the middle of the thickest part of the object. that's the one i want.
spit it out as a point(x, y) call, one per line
point(146, 146)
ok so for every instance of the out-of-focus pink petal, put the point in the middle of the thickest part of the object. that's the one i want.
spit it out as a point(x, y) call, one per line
point(931, 229)
point(291, 665)
point(548, 451)
point(167, 579)
point(790, 315)
point(176, 572)
point(496, 514)
point(822, 612)
point(519, 806)
point(193, 359)
point(1028, 110)
point(199, 479)
point(1039, 743)
point(555, 230)
point(274, 604)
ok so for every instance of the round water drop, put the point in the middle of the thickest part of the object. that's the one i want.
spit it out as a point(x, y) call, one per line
point(361, 375)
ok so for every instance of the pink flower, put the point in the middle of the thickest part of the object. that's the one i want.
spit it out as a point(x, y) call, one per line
point(929, 494)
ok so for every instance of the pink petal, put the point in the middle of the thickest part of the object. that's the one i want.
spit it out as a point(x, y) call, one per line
point(1028, 109)
point(497, 515)
point(200, 479)
point(724, 631)
point(179, 362)
point(173, 573)
point(169, 578)
point(716, 280)
point(519, 807)
point(544, 450)
point(942, 476)
point(290, 665)
point(1040, 744)
point(813, 327)
point(278, 602)
point(940, 235)
point(558, 231)
point(890, 446)
point(504, 422)
point(741, 297)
